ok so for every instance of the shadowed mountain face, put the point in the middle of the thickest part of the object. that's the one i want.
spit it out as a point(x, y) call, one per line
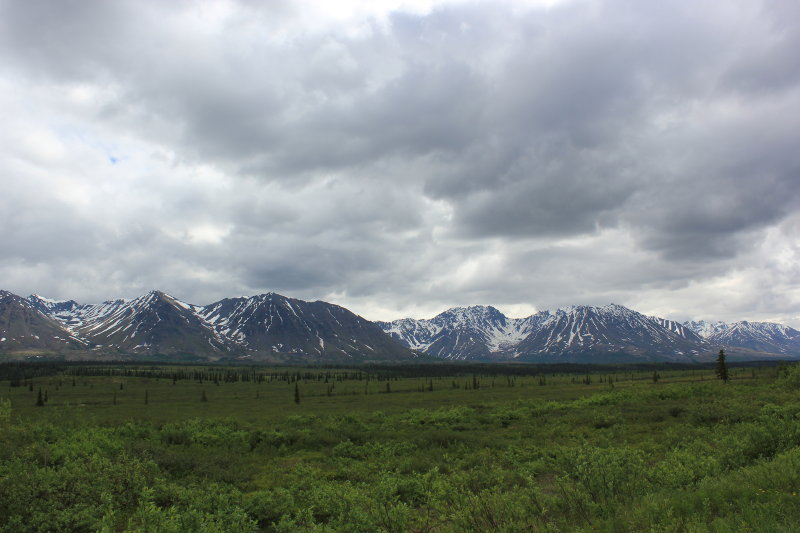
point(153, 323)
point(284, 327)
point(268, 327)
point(23, 327)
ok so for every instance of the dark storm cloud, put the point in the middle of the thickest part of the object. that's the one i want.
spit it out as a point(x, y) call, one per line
point(398, 156)
point(735, 177)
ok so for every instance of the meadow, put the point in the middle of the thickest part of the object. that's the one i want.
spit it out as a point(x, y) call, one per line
point(436, 448)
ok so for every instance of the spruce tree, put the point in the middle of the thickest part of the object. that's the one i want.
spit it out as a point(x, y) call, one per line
point(296, 393)
point(722, 367)
point(203, 397)
point(40, 399)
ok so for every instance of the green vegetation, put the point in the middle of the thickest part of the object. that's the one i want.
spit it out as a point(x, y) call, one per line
point(430, 448)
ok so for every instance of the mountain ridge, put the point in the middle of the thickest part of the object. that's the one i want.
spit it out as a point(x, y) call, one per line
point(277, 328)
point(267, 327)
point(577, 333)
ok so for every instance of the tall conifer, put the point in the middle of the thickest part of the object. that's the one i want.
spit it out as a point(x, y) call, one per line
point(722, 367)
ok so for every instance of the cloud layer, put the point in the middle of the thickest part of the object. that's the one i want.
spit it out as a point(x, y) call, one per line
point(404, 158)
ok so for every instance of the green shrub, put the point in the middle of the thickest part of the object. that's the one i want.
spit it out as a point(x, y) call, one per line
point(607, 475)
point(790, 376)
point(208, 509)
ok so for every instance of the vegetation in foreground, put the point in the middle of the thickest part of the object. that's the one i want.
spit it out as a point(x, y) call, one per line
point(163, 449)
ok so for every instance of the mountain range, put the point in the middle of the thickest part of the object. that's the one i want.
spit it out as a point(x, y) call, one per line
point(610, 333)
point(274, 328)
point(267, 327)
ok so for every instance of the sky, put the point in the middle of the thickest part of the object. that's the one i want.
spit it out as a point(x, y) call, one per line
point(400, 158)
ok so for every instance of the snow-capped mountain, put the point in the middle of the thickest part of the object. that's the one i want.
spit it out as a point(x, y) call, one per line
point(271, 327)
point(571, 333)
point(475, 332)
point(52, 307)
point(23, 327)
point(281, 326)
point(74, 316)
point(267, 327)
point(613, 330)
point(760, 336)
point(681, 330)
point(705, 329)
point(153, 323)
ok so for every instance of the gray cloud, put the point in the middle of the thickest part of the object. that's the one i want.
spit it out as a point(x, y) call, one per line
point(478, 153)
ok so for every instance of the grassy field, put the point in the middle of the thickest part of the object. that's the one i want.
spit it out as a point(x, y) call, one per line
point(155, 448)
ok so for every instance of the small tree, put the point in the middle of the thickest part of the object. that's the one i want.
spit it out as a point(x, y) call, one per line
point(722, 367)
point(40, 399)
point(296, 393)
point(203, 397)
point(5, 410)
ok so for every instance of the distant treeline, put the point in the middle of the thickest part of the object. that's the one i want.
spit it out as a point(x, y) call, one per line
point(449, 368)
point(16, 372)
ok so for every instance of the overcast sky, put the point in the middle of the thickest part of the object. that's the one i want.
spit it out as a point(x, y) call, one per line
point(399, 158)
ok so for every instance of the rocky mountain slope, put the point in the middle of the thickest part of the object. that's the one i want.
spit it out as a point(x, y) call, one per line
point(281, 326)
point(760, 336)
point(474, 332)
point(23, 327)
point(585, 333)
point(267, 327)
point(610, 332)
point(271, 327)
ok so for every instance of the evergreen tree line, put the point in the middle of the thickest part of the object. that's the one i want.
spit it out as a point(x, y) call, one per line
point(19, 373)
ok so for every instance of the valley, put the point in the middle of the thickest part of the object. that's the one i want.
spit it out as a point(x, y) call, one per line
point(448, 447)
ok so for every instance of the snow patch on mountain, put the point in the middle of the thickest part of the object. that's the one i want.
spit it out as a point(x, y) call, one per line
point(706, 329)
point(484, 332)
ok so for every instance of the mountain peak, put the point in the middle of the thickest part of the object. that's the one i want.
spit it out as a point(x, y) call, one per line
point(482, 332)
point(279, 328)
point(607, 308)
point(472, 312)
point(23, 326)
point(156, 293)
